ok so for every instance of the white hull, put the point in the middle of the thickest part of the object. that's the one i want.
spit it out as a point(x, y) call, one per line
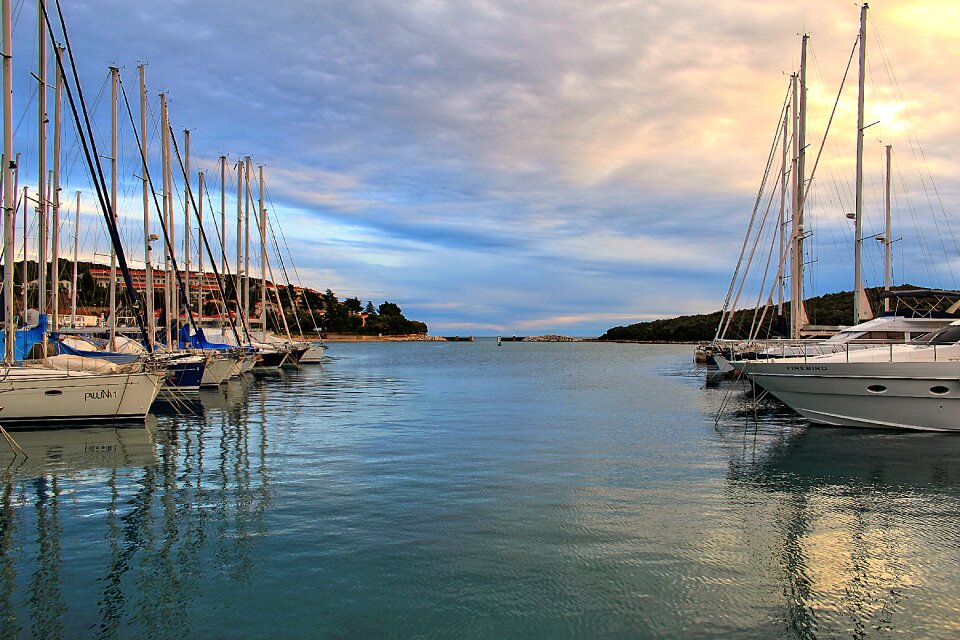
point(248, 363)
point(217, 370)
point(922, 396)
point(314, 355)
point(43, 397)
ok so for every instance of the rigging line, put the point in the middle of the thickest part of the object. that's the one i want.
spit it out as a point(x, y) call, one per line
point(805, 188)
point(286, 276)
point(166, 236)
point(28, 107)
point(283, 267)
point(921, 236)
point(773, 149)
point(763, 221)
point(754, 327)
point(213, 265)
point(93, 162)
point(294, 266)
point(925, 164)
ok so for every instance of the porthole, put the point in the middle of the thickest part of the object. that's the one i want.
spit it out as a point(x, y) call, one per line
point(876, 388)
point(939, 390)
point(53, 392)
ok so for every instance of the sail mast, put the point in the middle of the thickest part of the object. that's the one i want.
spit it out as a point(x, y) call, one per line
point(8, 195)
point(263, 261)
point(55, 245)
point(26, 252)
point(246, 238)
point(223, 217)
point(76, 251)
point(165, 162)
point(41, 158)
point(887, 239)
point(859, 313)
point(114, 76)
point(782, 219)
point(186, 217)
point(237, 290)
point(796, 261)
point(147, 257)
point(200, 277)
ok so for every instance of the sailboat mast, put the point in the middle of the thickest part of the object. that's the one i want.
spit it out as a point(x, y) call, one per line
point(165, 161)
point(795, 231)
point(887, 239)
point(55, 245)
point(246, 238)
point(263, 261)
point(858, 312)
point(147, 257)
point(76, 251)
point(114, 77)
point(200, 278)
point(223, 217)
point(41, 157)
point(237, 288)
point(26, 252)
point(186, 216)
point(8, 194)
point(784, 171)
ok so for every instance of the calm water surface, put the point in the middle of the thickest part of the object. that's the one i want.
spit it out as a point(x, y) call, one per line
point(461, 490)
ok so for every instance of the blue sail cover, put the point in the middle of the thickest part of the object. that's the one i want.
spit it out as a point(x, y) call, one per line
point(116, 358)
point(26, 338)
point(199, 341)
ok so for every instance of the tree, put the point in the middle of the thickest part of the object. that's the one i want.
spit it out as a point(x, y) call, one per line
point(329, 300)
point(353, 305)
point(369, 309)
point(390, 309)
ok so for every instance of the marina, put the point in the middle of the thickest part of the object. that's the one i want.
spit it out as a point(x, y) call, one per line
point(465, 490)
point(199, 441)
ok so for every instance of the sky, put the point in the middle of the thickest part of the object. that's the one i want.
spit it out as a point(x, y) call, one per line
point(526, 167)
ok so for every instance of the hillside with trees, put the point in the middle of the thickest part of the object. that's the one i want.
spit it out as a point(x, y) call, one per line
point(314, 310)
point(832, 309)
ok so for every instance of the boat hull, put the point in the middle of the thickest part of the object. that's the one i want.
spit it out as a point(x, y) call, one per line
point(184, 377)
point(46, 400)
point(919, 396)
point(314, 355)
point(217, 369)
point(268, 360)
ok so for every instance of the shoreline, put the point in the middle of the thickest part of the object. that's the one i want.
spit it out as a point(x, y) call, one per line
point(335, 337)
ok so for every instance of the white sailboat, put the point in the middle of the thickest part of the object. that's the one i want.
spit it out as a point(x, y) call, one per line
point(42, 395)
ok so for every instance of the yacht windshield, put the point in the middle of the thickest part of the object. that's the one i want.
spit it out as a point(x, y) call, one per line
point(946, 335)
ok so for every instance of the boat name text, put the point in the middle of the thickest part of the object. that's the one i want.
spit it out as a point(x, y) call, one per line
point(103, 394)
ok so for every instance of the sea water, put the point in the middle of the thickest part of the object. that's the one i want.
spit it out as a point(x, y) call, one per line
point(466, 490)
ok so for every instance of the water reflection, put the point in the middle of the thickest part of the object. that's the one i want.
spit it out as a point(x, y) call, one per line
point(154, 513)
point(863, 524)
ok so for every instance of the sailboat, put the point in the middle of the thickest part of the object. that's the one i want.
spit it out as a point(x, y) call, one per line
point(914, 386)
point(40, 394)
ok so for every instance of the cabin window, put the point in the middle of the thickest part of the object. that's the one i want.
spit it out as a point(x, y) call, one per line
point(876, 388)
point(939, 390)
point(53, 392)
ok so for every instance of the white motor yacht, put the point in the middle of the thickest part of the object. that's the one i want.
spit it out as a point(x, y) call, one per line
point(910, 386)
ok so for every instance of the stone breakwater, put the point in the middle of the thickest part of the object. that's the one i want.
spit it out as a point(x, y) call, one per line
point(551, 338)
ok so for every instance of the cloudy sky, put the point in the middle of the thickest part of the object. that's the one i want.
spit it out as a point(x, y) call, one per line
point(519, 167)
